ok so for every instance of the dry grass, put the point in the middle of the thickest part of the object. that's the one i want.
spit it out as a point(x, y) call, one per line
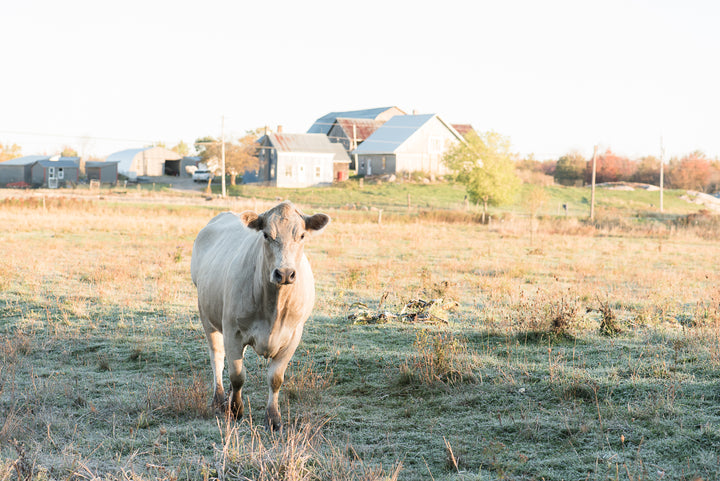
point(104, 371)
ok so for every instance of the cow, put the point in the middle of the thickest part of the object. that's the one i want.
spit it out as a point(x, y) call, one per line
point(255, 288)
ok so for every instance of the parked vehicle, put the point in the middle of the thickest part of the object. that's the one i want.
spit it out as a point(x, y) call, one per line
point(202, 175)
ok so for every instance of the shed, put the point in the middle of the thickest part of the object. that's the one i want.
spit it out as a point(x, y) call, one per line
point(298, 160)
point(148, 161)
point(104, 172)
point(19, 169)
point(56, 173)
point(407, 143)
point(381, 114)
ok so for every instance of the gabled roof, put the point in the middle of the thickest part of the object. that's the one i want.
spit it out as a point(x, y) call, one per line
point(393, 134)
point(363, 128)
point(323, 124)
point(26, 160)
point(311, 143)
point(397, 131)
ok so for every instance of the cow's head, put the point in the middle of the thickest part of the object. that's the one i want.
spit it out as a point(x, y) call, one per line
point(285, 230)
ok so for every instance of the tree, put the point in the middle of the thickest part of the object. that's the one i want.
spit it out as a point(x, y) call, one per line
point(484, 165)
point(240, 155)
point(8, 152)
point(690, 172)
point(647, 171)
point(610, 168)
point(68, 151)
point(181, 149)
point(570, 169)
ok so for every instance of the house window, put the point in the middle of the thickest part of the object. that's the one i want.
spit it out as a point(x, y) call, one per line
point(317, 171)
point(288, 171)
point(61, 173)
point(51, 172)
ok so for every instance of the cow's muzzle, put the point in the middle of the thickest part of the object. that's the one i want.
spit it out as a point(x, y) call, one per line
point(283, 276)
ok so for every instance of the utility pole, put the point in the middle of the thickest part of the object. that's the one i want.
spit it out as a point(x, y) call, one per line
point(592, 192)
point(222, 141)
point(662, 173)
point(355, 145)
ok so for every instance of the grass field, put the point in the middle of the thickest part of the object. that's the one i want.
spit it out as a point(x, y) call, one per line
point(580, 352)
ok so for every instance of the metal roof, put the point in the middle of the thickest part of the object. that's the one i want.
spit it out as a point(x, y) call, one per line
point(58, 163)
point(28, 159)
point(364, 128)
point(300, 142)
point(393, 133)
point(323, 124)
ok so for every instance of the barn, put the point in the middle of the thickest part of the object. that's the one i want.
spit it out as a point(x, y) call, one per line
point(54, 172)
point(407, 143)
point(104, 172)
point(146, 162)
point(19, 169)
point(299, 160)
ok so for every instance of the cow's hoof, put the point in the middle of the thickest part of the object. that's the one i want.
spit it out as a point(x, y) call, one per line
point(272, 420)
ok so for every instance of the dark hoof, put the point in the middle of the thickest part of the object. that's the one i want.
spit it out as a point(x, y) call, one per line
point(272, 420)
point(236, 407)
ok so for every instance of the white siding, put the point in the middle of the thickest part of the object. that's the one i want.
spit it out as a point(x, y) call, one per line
point(297, 169)
point(424, 150)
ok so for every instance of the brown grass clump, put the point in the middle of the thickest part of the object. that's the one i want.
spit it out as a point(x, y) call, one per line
point(563, 315)
point(181, 396)
point(608, 323)
point(438, 358)
point(300, 452)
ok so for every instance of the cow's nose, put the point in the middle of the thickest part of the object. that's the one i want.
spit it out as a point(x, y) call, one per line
point(284, 276)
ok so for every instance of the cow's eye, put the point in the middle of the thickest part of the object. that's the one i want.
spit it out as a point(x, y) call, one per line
point(302, 236)
point(267, 237)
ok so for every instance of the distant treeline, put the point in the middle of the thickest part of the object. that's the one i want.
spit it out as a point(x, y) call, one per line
point(693, 171)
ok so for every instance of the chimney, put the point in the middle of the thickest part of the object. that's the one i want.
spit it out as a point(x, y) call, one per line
point(279, 129)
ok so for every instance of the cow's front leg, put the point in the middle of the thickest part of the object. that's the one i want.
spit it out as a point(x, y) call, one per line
point(235, 352)
point(217, 359)
point(276, 376)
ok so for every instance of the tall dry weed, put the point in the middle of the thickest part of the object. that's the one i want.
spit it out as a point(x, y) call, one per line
point(438, 358)
point(299, 452)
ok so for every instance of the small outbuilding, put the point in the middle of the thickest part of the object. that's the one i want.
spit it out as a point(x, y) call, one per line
point(103, 172)
point(56, 172)
point(18, 170)
point(148, 161)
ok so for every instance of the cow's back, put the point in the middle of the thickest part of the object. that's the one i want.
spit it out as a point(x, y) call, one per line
point(217, 244)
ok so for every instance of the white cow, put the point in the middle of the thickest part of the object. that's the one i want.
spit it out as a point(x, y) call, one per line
point(255, 288)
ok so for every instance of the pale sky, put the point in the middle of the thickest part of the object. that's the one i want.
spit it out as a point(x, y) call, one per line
point(552, 76)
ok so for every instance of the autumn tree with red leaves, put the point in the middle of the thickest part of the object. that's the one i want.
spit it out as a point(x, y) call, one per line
point(610, 168)
point(690, 172)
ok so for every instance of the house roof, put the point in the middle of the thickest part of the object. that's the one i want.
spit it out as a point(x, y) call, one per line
point(324, 123)
point(393, 133)
point(306, 143)
point(62, 162)
point(26, 160)
point(463, 129)
point(93, 163)
point(363, 127)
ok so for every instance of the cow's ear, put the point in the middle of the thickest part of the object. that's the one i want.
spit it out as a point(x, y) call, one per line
point(252, 220)
point(316, 222)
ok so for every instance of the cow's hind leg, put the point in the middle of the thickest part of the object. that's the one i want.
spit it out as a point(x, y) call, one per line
point(276, 376)
point(235, 354)
point(217, 359)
